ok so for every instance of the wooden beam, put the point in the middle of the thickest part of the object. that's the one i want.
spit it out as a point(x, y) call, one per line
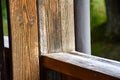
point(24, 39)
point(56, 21)
point(82, 66)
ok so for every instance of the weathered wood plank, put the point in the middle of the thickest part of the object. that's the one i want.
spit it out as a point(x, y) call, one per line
point(56, 21)
point(56, 18)
point(82, 66)
point(24, 39)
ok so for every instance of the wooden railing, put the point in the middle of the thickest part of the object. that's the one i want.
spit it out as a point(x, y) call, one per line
point(42, 42)
point(77, 66)
point(82, 66)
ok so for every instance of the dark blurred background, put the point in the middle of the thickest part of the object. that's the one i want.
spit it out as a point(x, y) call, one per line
point(105, 28)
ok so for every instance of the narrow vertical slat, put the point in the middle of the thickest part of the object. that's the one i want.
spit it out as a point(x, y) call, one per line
point(2, 73)
point(82, 26)
point(24, 39)
point(56, 18)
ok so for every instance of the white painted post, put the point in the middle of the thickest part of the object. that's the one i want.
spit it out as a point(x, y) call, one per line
point(82, 24)
point(6, 42)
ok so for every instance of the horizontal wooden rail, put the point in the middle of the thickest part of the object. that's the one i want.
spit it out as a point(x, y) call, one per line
point(82, 66)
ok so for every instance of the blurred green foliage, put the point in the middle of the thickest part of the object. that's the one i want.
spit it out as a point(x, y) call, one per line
point(97, 13)
point(98, 19)
point(101, 46)
point(4, 13)
point(97, 7)
point(107, 50)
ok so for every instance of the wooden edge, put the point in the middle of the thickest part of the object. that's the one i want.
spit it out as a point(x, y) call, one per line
point(85, 67)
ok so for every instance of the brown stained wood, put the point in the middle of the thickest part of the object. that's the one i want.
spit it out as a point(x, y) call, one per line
point(56, 19)
point(67, 77)
point(82, 66)
point(24, 38)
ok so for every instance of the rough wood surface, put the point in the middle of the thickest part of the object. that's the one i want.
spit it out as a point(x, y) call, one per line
point(56, 21)
point(82, 66)
point(24, 38)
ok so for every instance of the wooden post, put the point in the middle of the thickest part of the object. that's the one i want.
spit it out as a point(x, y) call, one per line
point(24, 39)
point(56, 19)
point(82, 26)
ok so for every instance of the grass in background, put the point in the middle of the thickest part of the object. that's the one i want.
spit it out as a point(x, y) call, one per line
point(5, 27)
point(4, 13)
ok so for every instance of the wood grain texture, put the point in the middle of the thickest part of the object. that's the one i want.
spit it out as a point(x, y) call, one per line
point(56, 18)
point(56, 21)
point(24, 39)
point(82, 66)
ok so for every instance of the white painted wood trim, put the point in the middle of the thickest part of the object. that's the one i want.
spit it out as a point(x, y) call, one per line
point(82, 23)
point(6, 42)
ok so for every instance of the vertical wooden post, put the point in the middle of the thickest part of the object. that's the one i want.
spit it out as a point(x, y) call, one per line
point(24, 39)
point(56, 18)
point(56, 21)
